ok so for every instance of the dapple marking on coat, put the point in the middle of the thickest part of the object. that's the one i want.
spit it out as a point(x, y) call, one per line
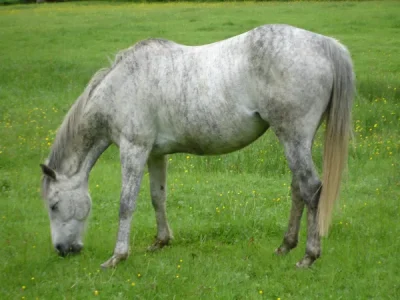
point(160, 98)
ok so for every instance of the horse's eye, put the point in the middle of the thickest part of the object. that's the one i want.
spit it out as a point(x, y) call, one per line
point(54, 206)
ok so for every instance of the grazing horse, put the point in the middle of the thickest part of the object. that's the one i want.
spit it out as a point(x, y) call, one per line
point(160, 98)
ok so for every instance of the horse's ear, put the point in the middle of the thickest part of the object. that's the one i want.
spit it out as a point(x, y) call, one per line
point(49, 172)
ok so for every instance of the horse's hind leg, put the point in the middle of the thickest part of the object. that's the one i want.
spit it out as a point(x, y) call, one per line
point(158, 175)
point(307, 186)
point(292, 234)
point(313, 248)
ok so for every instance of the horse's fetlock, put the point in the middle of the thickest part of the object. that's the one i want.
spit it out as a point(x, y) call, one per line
point(314, 253)
point(290, 242)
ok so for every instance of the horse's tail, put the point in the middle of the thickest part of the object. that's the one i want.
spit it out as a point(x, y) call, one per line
point(338, 129)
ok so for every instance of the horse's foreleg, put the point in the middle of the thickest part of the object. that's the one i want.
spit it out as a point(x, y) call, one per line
point(292, 234)
point(133, 160)
point(158, 189)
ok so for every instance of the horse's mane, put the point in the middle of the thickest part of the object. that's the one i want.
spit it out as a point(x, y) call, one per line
point(69, 127)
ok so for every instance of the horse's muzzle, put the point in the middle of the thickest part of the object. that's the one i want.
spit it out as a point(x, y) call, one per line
point(64, 250)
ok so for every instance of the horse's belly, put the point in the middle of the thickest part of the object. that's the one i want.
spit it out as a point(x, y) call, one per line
point(221, 136)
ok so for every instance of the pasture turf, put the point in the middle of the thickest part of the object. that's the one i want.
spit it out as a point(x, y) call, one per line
point(228, 213)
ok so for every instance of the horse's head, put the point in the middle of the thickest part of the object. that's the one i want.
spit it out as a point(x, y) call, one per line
point(68, 203)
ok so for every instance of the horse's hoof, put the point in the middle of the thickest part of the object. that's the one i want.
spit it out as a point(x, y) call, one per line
point(306, 262)
point(114, 260)
point(158, 244)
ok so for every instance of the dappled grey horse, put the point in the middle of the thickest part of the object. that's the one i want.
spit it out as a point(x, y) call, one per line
point(160, 98)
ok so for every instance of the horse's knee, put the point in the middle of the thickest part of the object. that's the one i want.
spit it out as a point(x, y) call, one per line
point(126, 210)
point(158, 201)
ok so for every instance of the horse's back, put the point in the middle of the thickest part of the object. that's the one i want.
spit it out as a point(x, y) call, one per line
point(219, 97)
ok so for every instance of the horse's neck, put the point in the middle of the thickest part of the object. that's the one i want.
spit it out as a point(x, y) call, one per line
point(82, 149)
point(82, 159)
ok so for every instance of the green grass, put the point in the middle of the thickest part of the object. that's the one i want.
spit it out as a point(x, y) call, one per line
point(228, 213)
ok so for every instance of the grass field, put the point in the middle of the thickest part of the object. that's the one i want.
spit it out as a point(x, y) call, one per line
point(228, 213)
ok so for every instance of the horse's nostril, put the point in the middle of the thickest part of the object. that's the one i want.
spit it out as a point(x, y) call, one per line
point(61, 249)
